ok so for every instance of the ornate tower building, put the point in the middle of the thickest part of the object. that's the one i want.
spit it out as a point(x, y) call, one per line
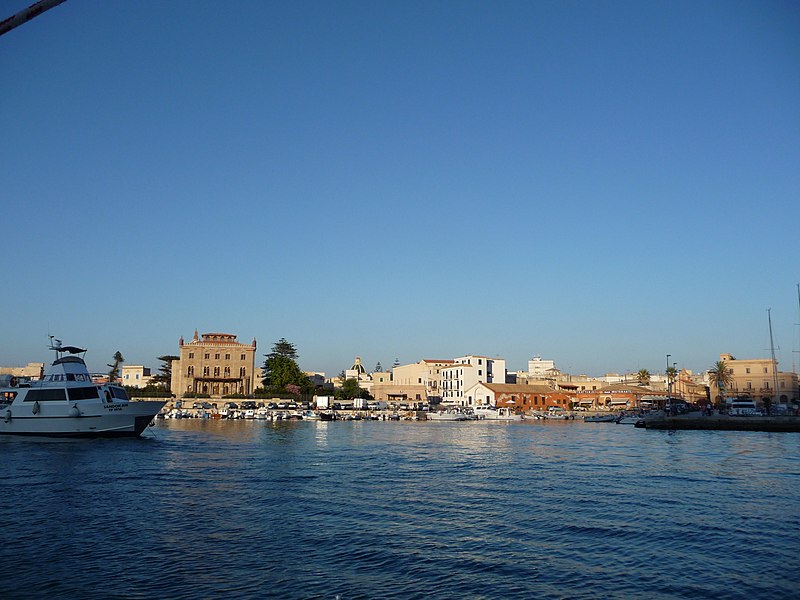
point(215, 364)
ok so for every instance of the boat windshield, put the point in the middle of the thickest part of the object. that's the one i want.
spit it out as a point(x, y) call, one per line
point(118, 392)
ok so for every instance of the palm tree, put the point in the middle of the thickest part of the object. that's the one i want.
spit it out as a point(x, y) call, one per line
point(720, 378)
point(672, 376)
point(643, 376)
point(113, 374)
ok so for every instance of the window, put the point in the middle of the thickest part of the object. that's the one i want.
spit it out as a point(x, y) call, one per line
point(46, 395)
point(191, 354)
point(82, 393)
point(216, 356)
point(207, 356)
point(227, 357)
point(243, 357)
point(747, 370)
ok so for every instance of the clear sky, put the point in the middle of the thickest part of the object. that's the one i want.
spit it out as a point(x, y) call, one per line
point(599, 183)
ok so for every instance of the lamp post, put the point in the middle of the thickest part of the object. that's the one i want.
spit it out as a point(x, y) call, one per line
point(669, 384)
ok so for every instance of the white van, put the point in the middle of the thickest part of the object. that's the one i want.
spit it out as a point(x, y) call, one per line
point(742, 407)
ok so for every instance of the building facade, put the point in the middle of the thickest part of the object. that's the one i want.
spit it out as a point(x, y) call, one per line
point(522, 397)
point(759, 379)
point(135, 376)
point(467, 371)
point(34, 371)
point(427, 372)
point(215, 364)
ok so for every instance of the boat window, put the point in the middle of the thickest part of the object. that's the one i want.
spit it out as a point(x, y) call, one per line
point(118, 392)
point(70, 377)
point(83, 393)
point(46, 395)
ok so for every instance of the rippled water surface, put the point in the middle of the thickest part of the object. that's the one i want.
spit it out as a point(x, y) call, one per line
point(208, 509)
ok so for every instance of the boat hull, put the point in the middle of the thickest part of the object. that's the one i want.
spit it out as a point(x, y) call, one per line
point(126, 420)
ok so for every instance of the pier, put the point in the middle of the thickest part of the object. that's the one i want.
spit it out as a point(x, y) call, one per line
point(722, 423)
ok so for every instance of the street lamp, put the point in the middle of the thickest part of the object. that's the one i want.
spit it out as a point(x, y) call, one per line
point(669, 384)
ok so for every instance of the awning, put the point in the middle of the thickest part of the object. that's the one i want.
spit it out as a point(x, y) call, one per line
point(619, 401)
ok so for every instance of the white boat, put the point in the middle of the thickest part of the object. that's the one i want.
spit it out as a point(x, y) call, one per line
point(600, 418)
point(67, 402)
point(499, 413)
point(558, 414)
point(447, 415)
point(629, 418)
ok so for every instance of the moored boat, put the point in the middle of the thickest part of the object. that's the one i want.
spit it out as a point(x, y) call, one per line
point(67, 402)
point(496, 413)
point(447, 415)
point(600, 418)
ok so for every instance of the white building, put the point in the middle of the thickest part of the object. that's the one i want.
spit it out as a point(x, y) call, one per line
point(541, 369)
point(467, 371)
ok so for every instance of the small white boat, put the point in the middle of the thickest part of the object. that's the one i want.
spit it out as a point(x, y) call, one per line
point(499, 413)
point(447, 415)
point(599, 418)
point(558, 414)
point(628, 418)
point(67, 402)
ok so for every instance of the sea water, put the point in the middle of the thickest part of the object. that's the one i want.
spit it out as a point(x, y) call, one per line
point(255, 509)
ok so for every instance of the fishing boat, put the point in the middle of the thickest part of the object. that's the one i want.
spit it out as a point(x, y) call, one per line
point(67, 402)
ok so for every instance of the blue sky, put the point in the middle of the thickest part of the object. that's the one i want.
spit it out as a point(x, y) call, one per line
point(599, 183)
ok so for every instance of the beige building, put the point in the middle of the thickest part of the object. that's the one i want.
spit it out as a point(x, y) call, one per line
point(426, 373)
point(759, 379)
point(215, 364)
point(136, 376)
point(33, 370)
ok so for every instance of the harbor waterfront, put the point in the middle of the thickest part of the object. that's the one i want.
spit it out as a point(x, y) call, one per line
point(204, 508)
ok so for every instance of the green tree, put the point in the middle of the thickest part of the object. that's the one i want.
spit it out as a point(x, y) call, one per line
point(350, 389)
point(113, 374)
point(643, 376)
point(281, 370)
point(164, 375)
point(720, 378)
